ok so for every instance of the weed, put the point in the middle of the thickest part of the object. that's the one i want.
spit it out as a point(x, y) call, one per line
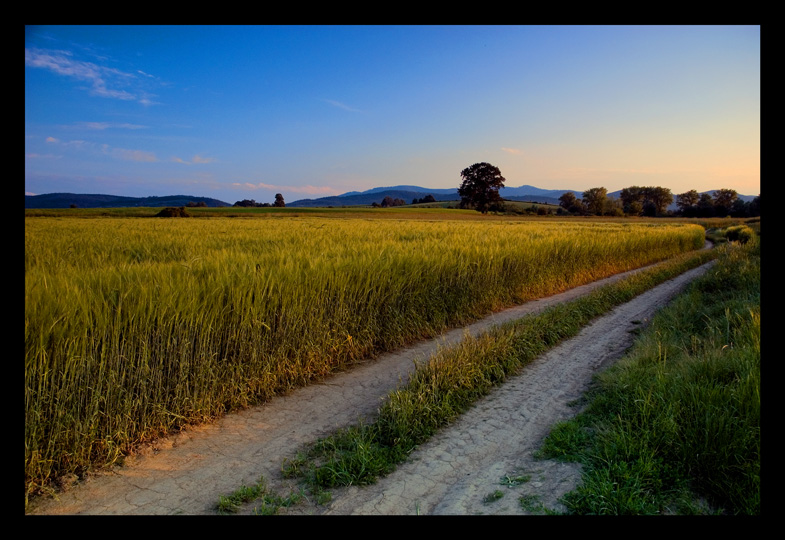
point(270, 503)
point(512, 481)
point(493, 497)
point(244, 494)
point(531, 503)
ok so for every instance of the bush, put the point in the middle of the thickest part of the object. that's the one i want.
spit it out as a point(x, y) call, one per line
point(739, 233)
point(173, 212)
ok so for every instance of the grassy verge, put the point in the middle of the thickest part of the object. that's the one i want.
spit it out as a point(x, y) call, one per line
point(675, 426)
point(454, 378)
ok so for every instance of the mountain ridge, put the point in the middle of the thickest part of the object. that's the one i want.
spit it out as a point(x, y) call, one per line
point(407, 193)
point(97, 200)
point(526, 193)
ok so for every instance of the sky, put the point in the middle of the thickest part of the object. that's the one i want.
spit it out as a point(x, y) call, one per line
point(245, 112)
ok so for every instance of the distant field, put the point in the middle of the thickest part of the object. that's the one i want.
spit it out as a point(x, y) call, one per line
point(437, 210)
point(134, 327)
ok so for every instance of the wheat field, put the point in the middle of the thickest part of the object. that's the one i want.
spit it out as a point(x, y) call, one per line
point(137, 326)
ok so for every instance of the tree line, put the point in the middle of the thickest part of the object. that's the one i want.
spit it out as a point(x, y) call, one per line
point(388, 202)
point(481, 182)
point(653, 201)
point(278, 203)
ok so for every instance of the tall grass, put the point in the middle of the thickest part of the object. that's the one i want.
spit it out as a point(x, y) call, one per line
point(135, 327)
point(678, 420)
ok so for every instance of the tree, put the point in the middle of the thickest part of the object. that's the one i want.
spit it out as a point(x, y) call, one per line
point(635, 208)
point(480, 187)
point(740, 208)
point(246, 202)
point(279, 202)
point(688, 203)
point(632, 200)
point(570, 202)
point(613, 207)
point(389, 201)
point(723, 201)
point(657, 198)
point(754, 207)
point(427, 199)
point(705, 205)
point(594, 199)
point(650, 200)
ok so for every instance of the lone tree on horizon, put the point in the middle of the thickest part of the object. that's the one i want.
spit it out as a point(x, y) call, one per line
point(279, 202)
point(480, 187)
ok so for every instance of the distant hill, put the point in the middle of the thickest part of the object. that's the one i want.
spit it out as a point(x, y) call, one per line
point(65, 200)
point(376, 195)
point(524, 193)
point(408, 193)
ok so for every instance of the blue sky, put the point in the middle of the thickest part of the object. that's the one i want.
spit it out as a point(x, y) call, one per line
point(245, 112)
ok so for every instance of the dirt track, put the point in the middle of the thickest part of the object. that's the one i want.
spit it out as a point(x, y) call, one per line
point(451, 474)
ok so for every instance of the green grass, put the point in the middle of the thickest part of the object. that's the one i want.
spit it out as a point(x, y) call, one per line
point(493, 496)
point(675, 426)
point(267, 502)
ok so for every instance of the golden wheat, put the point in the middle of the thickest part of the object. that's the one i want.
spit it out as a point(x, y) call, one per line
point(134, 327)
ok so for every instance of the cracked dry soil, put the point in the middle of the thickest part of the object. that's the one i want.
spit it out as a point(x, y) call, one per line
point(483, 452)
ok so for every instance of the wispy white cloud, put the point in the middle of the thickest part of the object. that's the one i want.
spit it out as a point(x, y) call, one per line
point(340, 105)
point(129, 155)
point(590, 171)
point(76, 143)
point(308, 190)
point(109, 125)
point(514, 151)
point(103, 81)
point(124, 154)
point(197, 159)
